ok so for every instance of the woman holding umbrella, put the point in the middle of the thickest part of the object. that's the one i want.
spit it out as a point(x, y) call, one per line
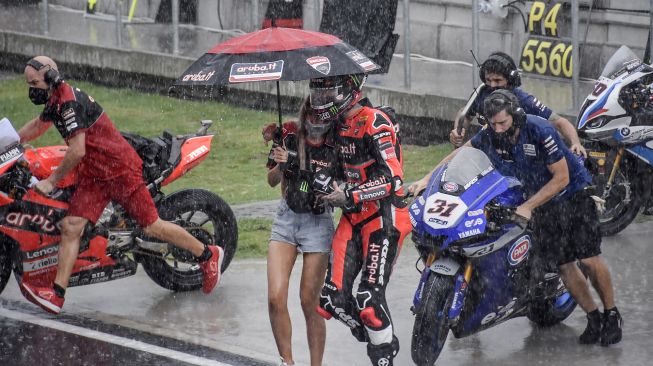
point(302, 224)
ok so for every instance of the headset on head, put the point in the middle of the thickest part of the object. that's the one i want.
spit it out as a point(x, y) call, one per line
point(512, 74)
point(514, 109)
point(51, 77)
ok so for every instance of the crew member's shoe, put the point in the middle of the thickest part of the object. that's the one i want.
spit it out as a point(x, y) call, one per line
point(648, 210)
point(44, 297)
point(592, 332)
point(211, 269)
point(611, 331)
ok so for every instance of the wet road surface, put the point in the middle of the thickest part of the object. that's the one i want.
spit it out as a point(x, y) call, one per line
point(234, 319)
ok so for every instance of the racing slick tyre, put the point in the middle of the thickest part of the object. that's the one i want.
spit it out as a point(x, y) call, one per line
point(5, 261)
point(630, 190)
point(432, 320)
point(205, 216)
point(551, 311)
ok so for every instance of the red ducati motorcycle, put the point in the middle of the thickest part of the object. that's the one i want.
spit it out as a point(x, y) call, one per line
point(112, 248)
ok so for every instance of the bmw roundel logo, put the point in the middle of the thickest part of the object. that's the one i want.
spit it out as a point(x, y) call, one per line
point(450, 187)
point(625, 131)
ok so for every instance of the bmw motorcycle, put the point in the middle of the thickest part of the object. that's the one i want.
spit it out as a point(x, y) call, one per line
point(616, 124)
point(480, 266)
point(112, 248)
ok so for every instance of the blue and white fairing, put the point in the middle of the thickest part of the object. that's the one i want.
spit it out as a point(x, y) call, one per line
point(456, 196)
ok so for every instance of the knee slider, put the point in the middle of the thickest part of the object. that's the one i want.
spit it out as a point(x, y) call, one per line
point(335, 303)
point(371, 303)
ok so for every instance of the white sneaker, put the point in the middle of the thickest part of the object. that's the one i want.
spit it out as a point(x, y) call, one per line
point(284, 363)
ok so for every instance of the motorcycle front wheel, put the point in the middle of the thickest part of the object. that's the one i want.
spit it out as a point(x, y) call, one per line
point(208, 218)
point(6, 260)
point(551, 311)
point(432, 320)
point(629, 191)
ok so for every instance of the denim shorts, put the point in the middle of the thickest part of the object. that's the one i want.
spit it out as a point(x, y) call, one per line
point(310, 233)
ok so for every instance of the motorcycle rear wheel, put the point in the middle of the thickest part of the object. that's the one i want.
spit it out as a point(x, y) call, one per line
point(201, 212)
point(431, 326)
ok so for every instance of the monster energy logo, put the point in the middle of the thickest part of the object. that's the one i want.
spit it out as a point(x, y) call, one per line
point(333, 109)
point(304, 186)
point(356, 80)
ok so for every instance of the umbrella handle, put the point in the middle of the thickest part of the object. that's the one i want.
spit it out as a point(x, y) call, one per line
point(279, 107)
point(276, 141)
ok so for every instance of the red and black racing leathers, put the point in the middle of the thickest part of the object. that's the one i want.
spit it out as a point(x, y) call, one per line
point(371, 229)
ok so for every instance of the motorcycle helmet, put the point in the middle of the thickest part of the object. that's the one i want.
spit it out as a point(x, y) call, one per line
point(332, 96)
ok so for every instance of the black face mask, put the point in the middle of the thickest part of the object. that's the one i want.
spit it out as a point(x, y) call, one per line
point(501, 141)
point(38, 96)
point(491, 89)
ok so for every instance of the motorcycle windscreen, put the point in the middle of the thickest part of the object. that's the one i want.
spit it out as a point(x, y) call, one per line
point(622, 60)
point(468, 164)
point(10, 148)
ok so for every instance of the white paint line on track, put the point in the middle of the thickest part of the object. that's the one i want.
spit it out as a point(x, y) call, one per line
point(109, 338)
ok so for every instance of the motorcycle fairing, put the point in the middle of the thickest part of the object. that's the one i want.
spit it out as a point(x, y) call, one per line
point(44, 160)
point(9, 156)
point(466, 219)
point(643, 151)
point(187, 156)
point(496, 291)
point(595, 109)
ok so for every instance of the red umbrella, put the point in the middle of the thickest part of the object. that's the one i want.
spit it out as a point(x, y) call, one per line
point(276, 54)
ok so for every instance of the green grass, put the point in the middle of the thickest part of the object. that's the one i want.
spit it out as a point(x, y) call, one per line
point(235, 169)
point(253, 237)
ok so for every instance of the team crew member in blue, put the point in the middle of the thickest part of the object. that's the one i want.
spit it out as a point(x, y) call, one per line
point(499, 71)
point(302, 224)
point(565, 217)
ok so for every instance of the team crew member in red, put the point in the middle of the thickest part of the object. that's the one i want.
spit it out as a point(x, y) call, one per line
point(375, 218)
point(109, 169)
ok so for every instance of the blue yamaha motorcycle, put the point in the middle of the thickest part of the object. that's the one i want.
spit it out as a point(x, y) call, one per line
point(480, 265)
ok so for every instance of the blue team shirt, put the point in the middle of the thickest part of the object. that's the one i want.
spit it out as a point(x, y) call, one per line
point(529, 104)
point(538, 147)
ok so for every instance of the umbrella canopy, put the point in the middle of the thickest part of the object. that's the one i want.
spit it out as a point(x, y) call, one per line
point(276, 54)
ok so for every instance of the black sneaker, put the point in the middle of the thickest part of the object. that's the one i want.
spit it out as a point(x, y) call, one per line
point(611, 331)
point(592, 332)
point(648, 210)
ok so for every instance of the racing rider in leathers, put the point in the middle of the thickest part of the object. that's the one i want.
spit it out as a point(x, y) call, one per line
point(109, 170)
point(375, 218)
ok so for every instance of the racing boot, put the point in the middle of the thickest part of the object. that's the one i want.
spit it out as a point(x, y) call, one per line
point(592, 332)
point(45, 297)
point(211, 268)
point(358, 331)
point(383, 354)
point(611, 331)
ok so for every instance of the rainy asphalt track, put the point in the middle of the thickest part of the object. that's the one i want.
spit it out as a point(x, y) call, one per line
point(133, 321)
